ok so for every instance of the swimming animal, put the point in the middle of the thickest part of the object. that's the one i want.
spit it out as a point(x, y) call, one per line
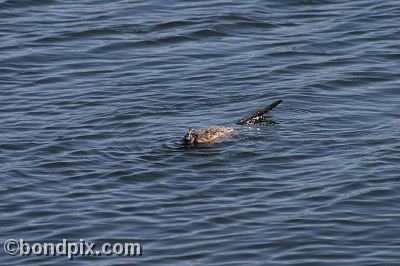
point(214, 133)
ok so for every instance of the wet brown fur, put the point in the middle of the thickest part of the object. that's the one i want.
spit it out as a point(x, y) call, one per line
point(207, 135)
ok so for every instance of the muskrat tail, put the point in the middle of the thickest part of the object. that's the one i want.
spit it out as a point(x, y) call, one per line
point(258, 113)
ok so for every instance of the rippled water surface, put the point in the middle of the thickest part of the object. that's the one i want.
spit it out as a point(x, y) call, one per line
point(97, 95)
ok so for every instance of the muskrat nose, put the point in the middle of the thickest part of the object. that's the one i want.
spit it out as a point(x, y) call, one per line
point(187, 139)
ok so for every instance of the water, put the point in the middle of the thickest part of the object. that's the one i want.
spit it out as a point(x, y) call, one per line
point(96, 96)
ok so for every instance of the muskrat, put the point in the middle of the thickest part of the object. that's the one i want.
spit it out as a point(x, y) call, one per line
point(214, 133)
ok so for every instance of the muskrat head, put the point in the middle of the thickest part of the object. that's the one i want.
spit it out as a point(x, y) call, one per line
point(190, 137)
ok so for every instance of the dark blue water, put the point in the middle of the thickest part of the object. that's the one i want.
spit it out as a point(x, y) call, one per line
point(96, 96)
